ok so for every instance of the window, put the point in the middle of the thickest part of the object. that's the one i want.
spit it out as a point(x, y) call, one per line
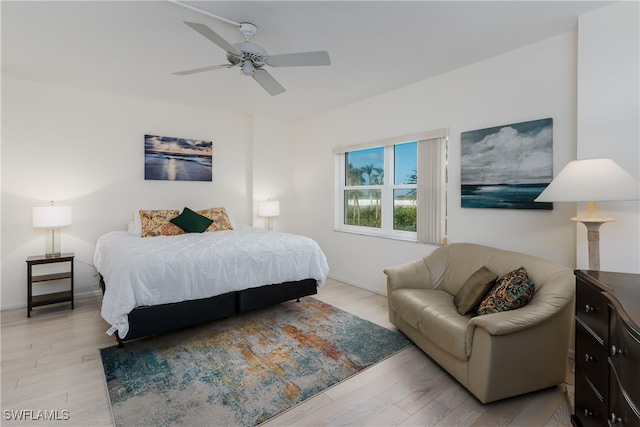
point(364, 181)
point(392, 188)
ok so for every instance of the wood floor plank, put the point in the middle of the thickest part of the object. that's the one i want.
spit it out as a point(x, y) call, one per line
point(562, 414)
point(293, 415)
point(462, 415)
point(429, 415)
point(433, 386)
point(502, 413)
point(388, 416)
point(52, 361)
point(540, 408)
point(407, 360)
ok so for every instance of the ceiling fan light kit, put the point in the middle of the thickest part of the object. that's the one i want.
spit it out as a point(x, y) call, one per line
point(253, 58)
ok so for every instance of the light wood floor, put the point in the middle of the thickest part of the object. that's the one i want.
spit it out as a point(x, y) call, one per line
point(51, 362)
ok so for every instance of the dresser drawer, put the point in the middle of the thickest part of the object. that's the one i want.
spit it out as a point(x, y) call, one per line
point(590, 409)
point(607, 317)
point(591, 309)
point(591, 358)
point(624, 353)
point(620, 411)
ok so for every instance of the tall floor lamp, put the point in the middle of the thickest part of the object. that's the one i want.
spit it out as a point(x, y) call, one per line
point(591, 181)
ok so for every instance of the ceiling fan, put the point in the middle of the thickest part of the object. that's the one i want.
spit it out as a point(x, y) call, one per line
point(252, 58)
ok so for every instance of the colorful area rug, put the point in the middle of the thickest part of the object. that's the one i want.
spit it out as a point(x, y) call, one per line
point(242, 370)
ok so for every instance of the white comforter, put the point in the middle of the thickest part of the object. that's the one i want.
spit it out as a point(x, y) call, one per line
point(156, 270)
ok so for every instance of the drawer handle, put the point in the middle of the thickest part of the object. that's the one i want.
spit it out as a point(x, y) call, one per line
point(588, 358)
point(616, 350)
point(590, 308)
point(588, 413)
point(615, 419)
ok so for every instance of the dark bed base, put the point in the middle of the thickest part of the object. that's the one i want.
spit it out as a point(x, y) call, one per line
point(157, 319)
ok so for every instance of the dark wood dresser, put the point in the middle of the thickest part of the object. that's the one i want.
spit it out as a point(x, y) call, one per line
point(607, 349)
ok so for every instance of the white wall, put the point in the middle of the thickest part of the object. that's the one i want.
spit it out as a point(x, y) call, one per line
point(273, 169)
point(535, 82)
point(86, 149)
point(609, 123)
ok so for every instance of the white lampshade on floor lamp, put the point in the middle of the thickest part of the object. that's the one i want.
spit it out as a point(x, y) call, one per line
point(269, 210)
point(591, 181)
point(52, 218)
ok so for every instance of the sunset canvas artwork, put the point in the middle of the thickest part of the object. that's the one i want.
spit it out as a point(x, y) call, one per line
point(177, 159)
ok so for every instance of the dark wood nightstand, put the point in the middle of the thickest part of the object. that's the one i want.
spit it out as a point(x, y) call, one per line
point(53, 297)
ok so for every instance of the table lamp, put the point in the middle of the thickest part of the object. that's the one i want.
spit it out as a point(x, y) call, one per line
point(269, 209)
point(591, 181)
point(52, 218)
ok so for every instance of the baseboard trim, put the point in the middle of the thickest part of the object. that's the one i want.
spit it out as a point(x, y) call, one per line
point(357, 285)
point(76, 296)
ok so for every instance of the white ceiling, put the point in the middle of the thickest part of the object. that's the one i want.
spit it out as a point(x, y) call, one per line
point(132, 47)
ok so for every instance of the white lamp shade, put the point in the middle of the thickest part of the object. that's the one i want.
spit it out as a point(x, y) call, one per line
point(52, 216)
point(593, 180)
point(269, 208)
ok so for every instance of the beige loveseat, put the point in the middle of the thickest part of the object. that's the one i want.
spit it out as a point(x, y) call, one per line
point(495, 355)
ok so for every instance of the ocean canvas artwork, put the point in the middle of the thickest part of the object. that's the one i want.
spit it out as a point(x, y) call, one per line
point(177, 159)
point(507, 167)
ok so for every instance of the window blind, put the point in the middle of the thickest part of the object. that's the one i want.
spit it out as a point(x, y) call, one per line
point(431, 166)
point(433, 134)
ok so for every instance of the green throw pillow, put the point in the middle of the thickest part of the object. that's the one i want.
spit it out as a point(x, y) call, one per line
point(191, 222)
point(513, 290)
point(474, 289)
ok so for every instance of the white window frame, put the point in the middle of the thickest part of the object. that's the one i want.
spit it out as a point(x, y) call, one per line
point(436, 220)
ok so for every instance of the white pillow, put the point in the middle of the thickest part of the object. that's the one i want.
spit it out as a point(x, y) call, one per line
point(231, 220)
point(137, 223)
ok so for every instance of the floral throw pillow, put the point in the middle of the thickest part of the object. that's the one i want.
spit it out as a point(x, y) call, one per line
point(511, 291)
point(219, 218)
point(158, 223)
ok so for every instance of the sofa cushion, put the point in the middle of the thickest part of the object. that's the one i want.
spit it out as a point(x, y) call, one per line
point(409, 303)
point(474, 290)
point(441, 323)
point(511, 291)
point(434, 314)
point(464, 260)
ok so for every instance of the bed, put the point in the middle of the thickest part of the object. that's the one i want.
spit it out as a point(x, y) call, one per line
point(156, 284)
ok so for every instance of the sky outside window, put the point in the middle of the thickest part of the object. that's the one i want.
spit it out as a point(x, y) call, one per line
point(406, 161)
point(370, 161)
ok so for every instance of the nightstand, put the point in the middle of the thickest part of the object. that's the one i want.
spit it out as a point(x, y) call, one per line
point(52, 297)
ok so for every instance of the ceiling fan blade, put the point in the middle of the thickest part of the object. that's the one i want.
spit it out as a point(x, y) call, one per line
point(302, 59)
point(202, 69)
point(267, 81)
point(214, 37)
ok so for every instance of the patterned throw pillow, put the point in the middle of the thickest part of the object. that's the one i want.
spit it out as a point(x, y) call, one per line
point(219, 218)
point(158, 223)
point(511, 291)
